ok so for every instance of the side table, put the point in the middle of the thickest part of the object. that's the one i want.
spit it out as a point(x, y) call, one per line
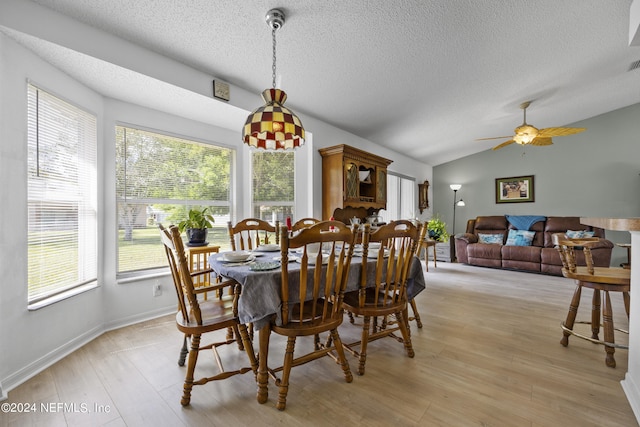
point(426, 244)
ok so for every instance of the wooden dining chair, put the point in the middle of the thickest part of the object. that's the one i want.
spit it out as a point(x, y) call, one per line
point(304, 223)
point(383, 288)
point(600, 280)
point(196, 316)
point(250, 233)
point(311, 301)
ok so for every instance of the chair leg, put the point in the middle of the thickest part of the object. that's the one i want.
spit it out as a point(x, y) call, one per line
point(627, 302)
point(351, 319)
point(191, 367)
point(607, 316)
point(406, 336)
point(341, 355)
point(595, 315)
point(416, 315)
point(286, 370)
point(362, 359)
point(184, 350)
point(248, 347)
point(571, 315)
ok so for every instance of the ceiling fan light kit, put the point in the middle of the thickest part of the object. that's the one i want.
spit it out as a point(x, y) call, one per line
point(526, 134)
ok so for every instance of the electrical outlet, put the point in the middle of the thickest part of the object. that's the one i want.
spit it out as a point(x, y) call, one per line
point(157, 290)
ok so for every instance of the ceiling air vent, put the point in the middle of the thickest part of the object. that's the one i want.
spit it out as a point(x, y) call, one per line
point(634, 65)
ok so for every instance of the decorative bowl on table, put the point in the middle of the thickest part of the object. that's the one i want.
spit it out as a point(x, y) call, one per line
point(268, 248)
point(236, 256)
point(312, 257)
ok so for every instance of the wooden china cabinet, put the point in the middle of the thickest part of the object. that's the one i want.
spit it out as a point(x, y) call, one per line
point(354, 182)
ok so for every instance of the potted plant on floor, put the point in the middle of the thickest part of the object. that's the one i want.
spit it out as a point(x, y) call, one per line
point(197, 226)
point(437, 229)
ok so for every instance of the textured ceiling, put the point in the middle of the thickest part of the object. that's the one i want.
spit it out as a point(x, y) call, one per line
point(424, 78)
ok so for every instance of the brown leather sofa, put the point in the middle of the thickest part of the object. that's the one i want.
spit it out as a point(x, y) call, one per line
point(540, 257)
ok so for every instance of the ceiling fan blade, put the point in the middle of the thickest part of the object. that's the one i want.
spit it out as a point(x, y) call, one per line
point(495, 137)
point(504, 144)
point(548, 132)
point(541, 141)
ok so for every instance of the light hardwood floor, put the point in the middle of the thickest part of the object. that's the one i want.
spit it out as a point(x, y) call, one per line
point(488, 355)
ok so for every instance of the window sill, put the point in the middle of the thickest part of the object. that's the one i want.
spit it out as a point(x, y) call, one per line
point(61, 296)
point(147, 275)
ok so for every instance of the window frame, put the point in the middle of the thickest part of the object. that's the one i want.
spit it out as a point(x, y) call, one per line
point(68, 121)
point(127, 276)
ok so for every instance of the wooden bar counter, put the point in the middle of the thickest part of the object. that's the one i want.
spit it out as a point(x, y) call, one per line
point(616, 224)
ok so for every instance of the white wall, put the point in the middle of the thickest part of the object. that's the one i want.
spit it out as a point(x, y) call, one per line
point(32, 340)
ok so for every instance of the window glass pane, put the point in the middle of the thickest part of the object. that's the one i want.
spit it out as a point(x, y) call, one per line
point(401, 198)
point(158, 179)
point(407, 198)
point(273, 184)
point(62, 195)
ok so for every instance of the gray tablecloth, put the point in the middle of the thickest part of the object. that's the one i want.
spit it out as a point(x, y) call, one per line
point(260, 297)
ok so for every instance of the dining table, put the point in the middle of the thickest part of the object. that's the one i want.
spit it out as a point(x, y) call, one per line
point(260, 301)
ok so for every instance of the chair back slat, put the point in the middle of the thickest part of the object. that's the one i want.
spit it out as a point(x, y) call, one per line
point(174, 248)
point(566, 247)
point(316, 294)
point(398, 245)
point(250, 233)
point(304, 223)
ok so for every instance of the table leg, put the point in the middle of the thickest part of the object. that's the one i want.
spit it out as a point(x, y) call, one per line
point(263, 354)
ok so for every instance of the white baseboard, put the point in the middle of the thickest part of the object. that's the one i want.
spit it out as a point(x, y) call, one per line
point(143, 317)
point(14, 380)
point(39, 365)
point(632, 392)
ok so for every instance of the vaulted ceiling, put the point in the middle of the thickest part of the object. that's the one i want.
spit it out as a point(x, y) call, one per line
point(424, 78)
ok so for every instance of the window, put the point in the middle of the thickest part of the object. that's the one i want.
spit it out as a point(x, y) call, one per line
point(62, 196)
point(273, 184)
point(401, 198)
point(159, 178)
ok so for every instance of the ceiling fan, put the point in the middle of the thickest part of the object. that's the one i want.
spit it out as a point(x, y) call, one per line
point(526, 134)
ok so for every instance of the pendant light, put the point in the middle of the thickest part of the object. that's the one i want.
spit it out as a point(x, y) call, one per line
point(273, 126)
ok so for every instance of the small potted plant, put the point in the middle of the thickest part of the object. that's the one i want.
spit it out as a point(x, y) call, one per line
point(437, 229)
point(197, 226)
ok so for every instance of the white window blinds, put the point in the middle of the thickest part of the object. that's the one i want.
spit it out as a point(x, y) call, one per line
point(159, 177)
point(62, 196)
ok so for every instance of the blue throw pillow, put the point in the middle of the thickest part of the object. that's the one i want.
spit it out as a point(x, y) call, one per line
point(520, 237)
point(580, 234)
point(492, 239)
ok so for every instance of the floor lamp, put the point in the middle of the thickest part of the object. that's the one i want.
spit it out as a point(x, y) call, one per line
point(455, 188)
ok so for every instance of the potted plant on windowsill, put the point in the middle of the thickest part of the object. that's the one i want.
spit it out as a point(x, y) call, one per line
point(196, 226)
point(437, 229)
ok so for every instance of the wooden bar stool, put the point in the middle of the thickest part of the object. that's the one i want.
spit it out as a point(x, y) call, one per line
point(599, 279)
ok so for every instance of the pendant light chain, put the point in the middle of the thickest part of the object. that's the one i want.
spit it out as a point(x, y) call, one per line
point(273, 67)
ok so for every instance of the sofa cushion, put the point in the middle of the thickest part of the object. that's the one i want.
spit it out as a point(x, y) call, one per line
point(491, 239)
point(520, 237)
point(491, 224)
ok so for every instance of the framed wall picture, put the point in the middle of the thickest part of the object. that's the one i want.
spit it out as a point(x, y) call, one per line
point(515, 189)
